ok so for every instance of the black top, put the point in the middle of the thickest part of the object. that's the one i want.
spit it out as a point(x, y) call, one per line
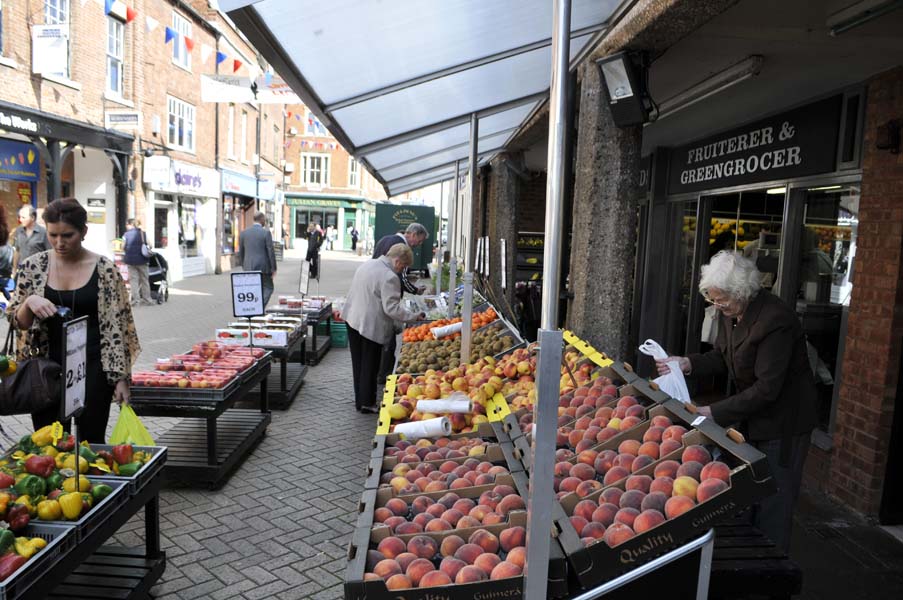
point(81, 302)
point(382, 248)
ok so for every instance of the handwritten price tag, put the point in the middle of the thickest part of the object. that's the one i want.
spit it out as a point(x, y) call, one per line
point(75, 366)
point(247, 294)
point(56, 432)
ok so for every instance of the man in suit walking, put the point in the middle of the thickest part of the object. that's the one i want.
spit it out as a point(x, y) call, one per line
point(255, 253)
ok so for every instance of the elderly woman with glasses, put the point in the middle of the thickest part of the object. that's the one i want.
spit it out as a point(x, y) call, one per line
point(762, 348)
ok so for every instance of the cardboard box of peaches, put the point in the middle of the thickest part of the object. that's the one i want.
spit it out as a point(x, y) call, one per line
point(447, 515)
point(657, 479)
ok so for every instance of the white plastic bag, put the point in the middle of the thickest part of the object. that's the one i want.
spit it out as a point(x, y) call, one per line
point(672, 383)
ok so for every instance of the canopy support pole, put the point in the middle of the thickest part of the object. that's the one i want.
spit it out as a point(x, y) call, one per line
point(545, 412)
point(437, 287)
point(467, 310)
point(453, 241)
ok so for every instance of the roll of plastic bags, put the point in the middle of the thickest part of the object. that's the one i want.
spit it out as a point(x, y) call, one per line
point(438, 427)
point(447, 330)
point(457, 403)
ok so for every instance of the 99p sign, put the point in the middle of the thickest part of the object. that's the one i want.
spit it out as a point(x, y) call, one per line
point(247, 294)
point(75, 366)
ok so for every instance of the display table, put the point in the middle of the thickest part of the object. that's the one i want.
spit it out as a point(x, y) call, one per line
point(213, 438)
point(284, 386)
point(93, 570)
point(745, 559)
point(316, 351)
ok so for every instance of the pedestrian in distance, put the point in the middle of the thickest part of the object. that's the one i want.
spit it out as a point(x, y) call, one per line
point(314, 242)
point(29, 238)
point(372, 307)
point(87, 284)
point(761, 346)
point(136, 257)
point(354, 237)
point(256, 253)
point(7, 256)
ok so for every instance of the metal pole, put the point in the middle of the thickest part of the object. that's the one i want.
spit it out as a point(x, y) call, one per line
point(541, 495)
point(437, 288)
point(453, 242)
point(467, 309)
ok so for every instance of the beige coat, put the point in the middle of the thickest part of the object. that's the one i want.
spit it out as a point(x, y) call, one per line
point(373, 303)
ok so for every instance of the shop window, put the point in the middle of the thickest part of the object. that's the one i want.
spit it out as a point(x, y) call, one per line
point(230, 132)
point(828, 247)
point(180, 54)
point(228, 225)
point(315, 170)
point(244, 136)
point(301, 220)
point(188, 229)
point(56, 12)
point(276, 141)
point(161, 228)
point(115, 39)
point(686, 251)
point(181, 124)
point(354, 179)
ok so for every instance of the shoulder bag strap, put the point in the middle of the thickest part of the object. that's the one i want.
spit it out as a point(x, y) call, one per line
point(9, 344)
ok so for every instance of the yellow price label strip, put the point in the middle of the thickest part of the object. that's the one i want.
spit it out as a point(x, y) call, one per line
point(389, 392)
point(497, 408)
point(102, 466)
point(600, 359)
point(56, 432)
point(382, 426)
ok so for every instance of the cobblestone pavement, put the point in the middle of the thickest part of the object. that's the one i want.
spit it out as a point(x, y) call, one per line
point(279, 528)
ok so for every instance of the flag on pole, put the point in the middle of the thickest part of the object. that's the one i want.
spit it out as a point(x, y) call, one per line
point(130, 14)
point(206, 51)
point(220, 57)
point(189, 43)
point(236, 65)
point(150, 24)
point(170, 35)
point(107, 7)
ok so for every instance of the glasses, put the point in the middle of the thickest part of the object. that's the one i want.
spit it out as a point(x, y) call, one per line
point(716, 304)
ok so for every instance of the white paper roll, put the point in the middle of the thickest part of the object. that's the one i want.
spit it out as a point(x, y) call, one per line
point(445, 406)
point(438, 427)
point(441, 332)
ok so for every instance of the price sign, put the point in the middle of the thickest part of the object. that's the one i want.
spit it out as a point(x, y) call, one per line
point(247, 294)
point(305, 278)
point(75, 366)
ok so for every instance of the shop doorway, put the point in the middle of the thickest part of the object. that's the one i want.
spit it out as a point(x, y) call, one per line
point(161, 230)
point(346, 240)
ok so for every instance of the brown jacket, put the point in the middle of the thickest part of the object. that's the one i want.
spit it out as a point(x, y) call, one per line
point(766, 359)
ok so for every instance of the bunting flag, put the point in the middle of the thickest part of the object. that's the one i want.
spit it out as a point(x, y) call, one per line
point(220, 57)
point(150, 24)
point(130, 14)
point(288, 115)
point(236, 65)
point(310, 121)
point(170, 35)
point(286, 145)
point(268, 78)
point(206, 51)
point(107, 7)
point(189, 43)
point(297, 117)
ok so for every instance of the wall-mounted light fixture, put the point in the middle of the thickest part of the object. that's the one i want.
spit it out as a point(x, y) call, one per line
point(860, 13)
point(625, 83)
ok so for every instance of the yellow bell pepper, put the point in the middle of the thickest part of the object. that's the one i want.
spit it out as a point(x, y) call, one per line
point(49, 510)
point(69, 463)
point(84, 484)
point(21, 476)
point(49, 451)
point(42, 436)
point(60, 459)
point(26, 547)
point(71, 504)
point(38, 542)
point(4, 504)
point(27, 503)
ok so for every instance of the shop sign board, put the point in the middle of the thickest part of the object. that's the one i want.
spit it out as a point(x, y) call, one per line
point(127, 120)
point(50, 50)
point(226, 88)
point(180, 177)
point(238, 183)
point(19, 161)
point(796, 143)
point(97, 210)
point(24, 192)
point(318, 202)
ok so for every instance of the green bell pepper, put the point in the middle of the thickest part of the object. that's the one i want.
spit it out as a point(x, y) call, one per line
point(26, 445)
point(31, 485)
point(7, 540)
point(87, 454)
point(101, 491)
point(54, 482)
point(130, 469)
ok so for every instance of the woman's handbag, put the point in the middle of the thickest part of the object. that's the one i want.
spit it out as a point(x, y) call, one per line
point(35, 386)
point(145, 249)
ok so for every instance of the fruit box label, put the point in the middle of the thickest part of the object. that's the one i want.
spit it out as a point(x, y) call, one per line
point(233, 337)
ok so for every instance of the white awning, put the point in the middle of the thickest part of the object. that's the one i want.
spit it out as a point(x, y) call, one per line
point(396, 81)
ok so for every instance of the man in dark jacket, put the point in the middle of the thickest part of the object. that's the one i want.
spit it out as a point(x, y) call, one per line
point(135, 241)
point(761, 346)
point(256, 253)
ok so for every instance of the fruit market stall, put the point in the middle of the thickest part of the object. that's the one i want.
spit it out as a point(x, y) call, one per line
point(283, 336)
point(61, 507)
point(203, 386)
point(318, 314)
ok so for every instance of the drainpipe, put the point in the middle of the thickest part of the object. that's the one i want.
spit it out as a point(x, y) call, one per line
point(220, 221)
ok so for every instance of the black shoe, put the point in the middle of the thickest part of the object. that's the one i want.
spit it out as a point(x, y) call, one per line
point(373, 410)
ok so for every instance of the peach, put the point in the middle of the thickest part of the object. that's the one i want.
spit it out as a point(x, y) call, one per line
point(449, 499)
point(709, 488)
point(393, 522)
point(504, 490)
point(423, 546)
point(458, 484)
point(588, 456)
point(512, 537)
point(450, 545)
point(509, 503)
point(677, 505)
point(716, 470)
point(647, 519)
point(690, 469)
point(609, 432)
point(438, 525)
point(640, 462)
point(653, 434)
point(436, 510)
point(562, 468)
point(625, 460)
point(518, 556)
point(436, 486)
point(417, 569)
point(604, 461)
point(421, 483)
point(632, 499)
point(650, 449)
point(627, 515)
point(399, 582)
point(485, 540)
point(618, 533)
point(685, 486)
point(448, 466)
point(398, 506)
point(674, 432)
point(493, 518)
point(663, 485)
point(587, 487)
point(466, 522)
point(391, 547)
point(435, 579)
point(604, 412)
point(372, 577)
point(638, 482)
point(582, 471)
point(472, 476)
point(661, 421)
point(484, 479)
point(404, 559)
point(629, 423)
point(611, 495)
point(386, 568)
point(468, 553)
point(381, 514)
point(696, 453)
point(491, 499)
point(470, 574)
point(464, 505)
point(585, 509)
point(452, 516)
point(487, 562)
point(615, 474)
point(591, 432)
point(373, 557)
point(582, 423)
point(666, 468)
point(505, 569)
point(421, 503)
point(575, 436)
point(479, 511)
point(654, 501)
point(564, 454)
point(561, 436)
point(605, 514)
point(408, 527)
point(593, 529)
point(635, 411)
point(451, 566)
point(626, 402)
point(629, 447)
point(569, 484)
point(578, 523)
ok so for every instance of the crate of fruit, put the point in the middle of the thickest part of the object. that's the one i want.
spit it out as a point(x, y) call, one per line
point(59, 540)
point(84, 517)
point(150, 458)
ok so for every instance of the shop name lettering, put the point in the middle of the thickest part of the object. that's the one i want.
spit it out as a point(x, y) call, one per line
point(18, 122)
point(769, 158)
point(188, 180)
point(633, 554)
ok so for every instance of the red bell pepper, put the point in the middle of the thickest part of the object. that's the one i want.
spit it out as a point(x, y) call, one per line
point(18, 518)
point(10, 563)
point(106, 457)
point(67, 444)
point(122, 454)
point(6, 481)
point(42, 466)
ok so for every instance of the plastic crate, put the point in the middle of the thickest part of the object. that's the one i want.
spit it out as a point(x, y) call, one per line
point(339, 335)
point(144, 474)
point(60, 540)
point(100, 512)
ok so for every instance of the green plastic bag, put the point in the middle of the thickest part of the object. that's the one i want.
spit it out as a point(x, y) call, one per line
point(130, 430)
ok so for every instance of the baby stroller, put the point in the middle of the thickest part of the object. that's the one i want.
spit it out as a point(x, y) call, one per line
point(158, 277)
